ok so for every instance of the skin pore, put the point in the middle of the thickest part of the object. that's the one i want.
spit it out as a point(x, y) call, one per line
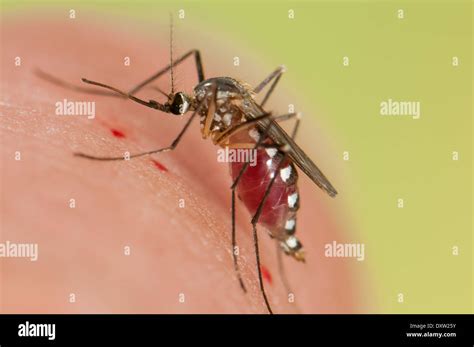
point(176, 251)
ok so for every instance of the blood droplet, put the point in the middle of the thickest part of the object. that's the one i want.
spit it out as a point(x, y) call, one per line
point(159, 166)
point(266, 274)
point(117, 133)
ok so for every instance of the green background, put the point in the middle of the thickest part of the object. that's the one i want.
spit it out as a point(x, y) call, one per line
point(408, 250)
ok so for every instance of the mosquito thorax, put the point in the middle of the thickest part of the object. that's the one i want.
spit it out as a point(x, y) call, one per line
point(179, 103)
point(222, 110)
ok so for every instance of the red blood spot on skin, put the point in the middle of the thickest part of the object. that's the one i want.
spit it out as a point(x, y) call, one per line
point(117, 133)
point(266, 274)
point(159, 166)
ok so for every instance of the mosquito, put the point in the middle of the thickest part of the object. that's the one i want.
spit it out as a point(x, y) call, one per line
point(231, 117)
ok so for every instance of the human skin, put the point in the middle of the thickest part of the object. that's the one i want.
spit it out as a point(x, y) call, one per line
point(174, 250)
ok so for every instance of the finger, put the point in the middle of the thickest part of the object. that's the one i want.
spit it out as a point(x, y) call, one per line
point(170, 211)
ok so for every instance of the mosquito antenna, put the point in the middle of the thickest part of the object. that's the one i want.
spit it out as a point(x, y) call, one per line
point(171, 54)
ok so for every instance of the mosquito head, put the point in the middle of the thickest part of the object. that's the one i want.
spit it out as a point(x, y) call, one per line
point(179, 103)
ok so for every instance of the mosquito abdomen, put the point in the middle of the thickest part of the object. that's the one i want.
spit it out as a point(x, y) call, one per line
point(279, 210)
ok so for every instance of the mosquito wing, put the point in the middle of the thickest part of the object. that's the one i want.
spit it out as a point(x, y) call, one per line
point(280, 137)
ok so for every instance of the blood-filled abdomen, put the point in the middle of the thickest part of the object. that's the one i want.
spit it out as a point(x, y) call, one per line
point(278, 214)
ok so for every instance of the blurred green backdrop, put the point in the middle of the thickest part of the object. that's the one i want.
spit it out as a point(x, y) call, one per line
point(409, 250)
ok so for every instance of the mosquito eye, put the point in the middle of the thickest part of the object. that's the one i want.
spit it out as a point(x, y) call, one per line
point(180, 104)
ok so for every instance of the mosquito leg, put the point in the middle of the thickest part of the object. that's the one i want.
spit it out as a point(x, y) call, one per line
point(281, 267)
point(199, 68)
point(254, 227)
point(267, 191)
point(234, 245)
point(164, 149)
point(234, 185)
point(296, 127)
point(234, 241)
point(211, 109)
point(274, 75)
point(259, 270)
